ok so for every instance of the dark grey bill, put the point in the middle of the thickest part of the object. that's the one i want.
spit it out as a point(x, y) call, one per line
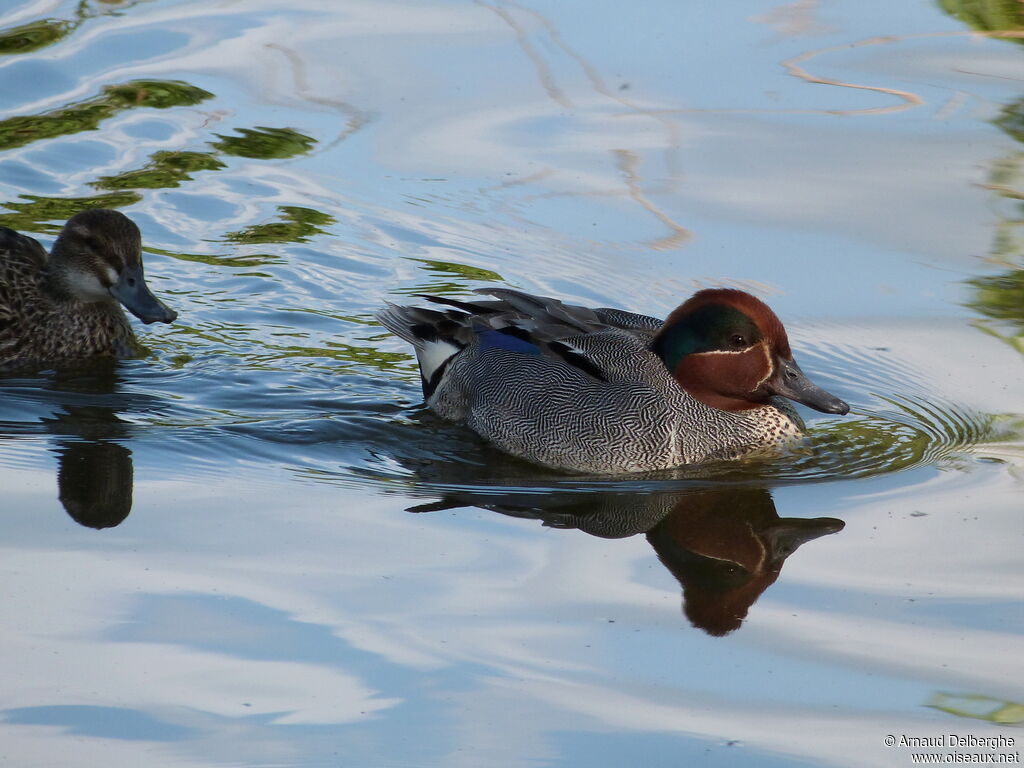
point(788, 533)
point(132, 291)
point(789, 381)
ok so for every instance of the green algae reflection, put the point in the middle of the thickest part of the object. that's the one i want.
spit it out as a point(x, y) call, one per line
point(334, 357)
point(999, 298)
point(987, 15)
point(34, 35)
point(1006, 180)
point(264, 143)
point(33, 213)
point(219, 260)
point(297, 225)
point(41, 33)
point(978, 707)
point(164, 171)
point(450, 277)
point(87, 115)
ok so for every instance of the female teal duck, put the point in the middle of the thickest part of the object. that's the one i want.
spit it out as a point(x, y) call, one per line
point(64, 305)
point(604, 390)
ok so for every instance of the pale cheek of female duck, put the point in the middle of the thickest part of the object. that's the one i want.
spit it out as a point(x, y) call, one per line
point(87, 287)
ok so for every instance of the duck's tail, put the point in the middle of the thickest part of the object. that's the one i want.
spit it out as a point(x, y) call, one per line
point(436, 336)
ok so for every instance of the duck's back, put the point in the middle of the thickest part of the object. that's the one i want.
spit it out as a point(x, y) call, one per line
point(36, 325)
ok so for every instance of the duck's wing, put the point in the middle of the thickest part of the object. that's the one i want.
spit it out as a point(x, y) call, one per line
point(628, 321)
point(16, 247)
point(600, 342)
point(22, 260)
point(549, 316)
point(544, 311)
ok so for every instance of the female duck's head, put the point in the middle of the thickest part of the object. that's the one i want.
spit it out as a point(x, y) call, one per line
point(727, 349)
point(98, 257)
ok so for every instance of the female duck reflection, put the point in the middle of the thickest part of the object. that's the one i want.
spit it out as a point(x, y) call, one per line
point(95, 475)
point(725, 545)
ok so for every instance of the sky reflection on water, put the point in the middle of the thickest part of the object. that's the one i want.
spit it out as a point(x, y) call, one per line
point(264, 628)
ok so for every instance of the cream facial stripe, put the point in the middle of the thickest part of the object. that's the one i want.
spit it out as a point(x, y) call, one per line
point(727, 351)
point(771, 365)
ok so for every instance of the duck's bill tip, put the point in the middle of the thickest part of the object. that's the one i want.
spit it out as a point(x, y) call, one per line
point(820, 400)
point(133, 293)
point(836, 406)
point(790, 382)
point(168, 315)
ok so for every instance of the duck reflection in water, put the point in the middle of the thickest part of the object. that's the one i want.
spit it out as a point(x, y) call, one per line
point(725, 545)
point(95, 482)
point(95, 475)
point(726, 548)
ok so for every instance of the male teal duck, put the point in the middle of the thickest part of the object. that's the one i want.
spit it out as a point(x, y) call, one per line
point(608, 391)
point(64, 305)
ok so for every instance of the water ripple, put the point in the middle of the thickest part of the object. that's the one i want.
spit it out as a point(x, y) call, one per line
point(347, 417)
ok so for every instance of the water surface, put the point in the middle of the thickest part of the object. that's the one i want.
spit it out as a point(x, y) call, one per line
point(254, 547)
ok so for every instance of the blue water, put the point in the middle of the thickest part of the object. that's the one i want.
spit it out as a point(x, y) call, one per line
point(254, 547)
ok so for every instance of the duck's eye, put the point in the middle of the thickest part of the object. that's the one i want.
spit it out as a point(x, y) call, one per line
point(737, 341)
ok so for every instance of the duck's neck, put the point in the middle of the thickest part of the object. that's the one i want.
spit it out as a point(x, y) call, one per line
point(56, 282)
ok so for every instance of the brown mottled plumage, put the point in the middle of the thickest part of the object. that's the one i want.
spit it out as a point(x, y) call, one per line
point(64, 305)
